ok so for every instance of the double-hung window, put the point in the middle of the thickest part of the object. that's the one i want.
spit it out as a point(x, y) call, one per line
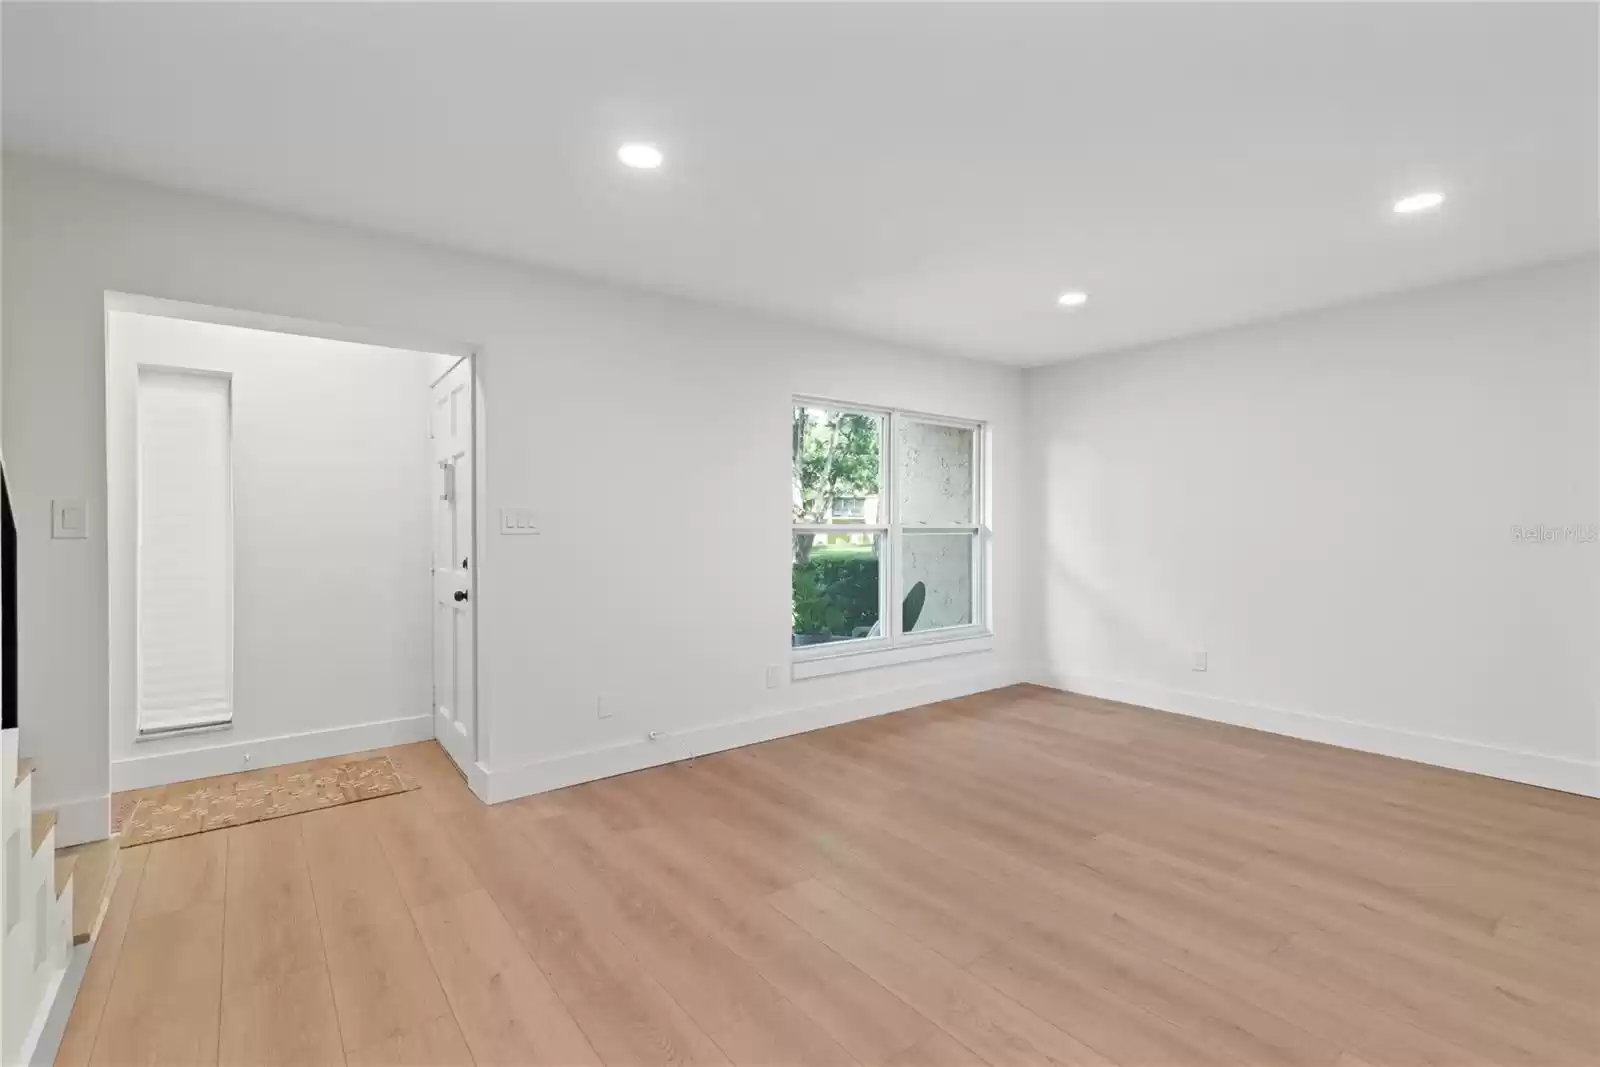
point(889, 547)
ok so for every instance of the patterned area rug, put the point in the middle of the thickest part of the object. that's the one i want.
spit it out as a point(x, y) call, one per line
point(145, 815)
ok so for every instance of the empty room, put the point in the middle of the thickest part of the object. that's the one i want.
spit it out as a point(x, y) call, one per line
point(800, 534)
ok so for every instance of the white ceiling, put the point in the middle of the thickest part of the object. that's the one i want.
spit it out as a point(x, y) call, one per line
point(933, 174)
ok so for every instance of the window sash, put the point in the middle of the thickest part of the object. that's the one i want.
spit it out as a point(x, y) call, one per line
point(890, 530)
point(974, 581)
point(841, 644)
point(885, 430)
point(974, 458)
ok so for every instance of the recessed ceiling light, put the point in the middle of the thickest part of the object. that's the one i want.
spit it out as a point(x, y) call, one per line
point(1418, 202)
point(1072, 299)
point(640, 156)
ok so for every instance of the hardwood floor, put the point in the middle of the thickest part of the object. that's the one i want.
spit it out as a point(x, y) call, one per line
point(1020, 877)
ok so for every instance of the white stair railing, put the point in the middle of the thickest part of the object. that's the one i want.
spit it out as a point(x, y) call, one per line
point(37, 920)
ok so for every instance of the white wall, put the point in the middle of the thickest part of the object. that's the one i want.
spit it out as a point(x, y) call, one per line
point(609, 412)
point(1325, 505)
point(332, 477)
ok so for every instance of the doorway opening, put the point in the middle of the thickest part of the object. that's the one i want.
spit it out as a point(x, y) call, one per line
point(292, 534)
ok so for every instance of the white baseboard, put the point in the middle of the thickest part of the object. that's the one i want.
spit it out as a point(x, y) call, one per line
point(84, 819)
point(1532, 768)
point(183, 764)
point(561, 771)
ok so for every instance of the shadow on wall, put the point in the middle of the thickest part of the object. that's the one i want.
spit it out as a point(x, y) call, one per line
point(1096, 627)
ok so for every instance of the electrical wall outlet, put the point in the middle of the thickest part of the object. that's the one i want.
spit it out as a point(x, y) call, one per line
point(1199, 661)
point(69, 519)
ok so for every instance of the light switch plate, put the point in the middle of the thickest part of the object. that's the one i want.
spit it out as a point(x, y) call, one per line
point(517, 521)
point(69, 519)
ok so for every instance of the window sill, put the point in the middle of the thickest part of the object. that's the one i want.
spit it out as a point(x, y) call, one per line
point(958, 643)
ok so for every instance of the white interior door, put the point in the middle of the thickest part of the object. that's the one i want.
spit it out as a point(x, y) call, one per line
point(455, 704)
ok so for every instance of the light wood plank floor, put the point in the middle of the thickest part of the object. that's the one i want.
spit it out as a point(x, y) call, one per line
point(1021, 877)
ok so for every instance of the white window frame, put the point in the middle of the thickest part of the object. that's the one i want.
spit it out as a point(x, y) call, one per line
point(893, 646)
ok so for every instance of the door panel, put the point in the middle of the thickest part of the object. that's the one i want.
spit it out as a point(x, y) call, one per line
point(455, 704)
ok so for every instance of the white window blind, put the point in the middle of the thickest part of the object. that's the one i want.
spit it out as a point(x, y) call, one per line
point(185, 550)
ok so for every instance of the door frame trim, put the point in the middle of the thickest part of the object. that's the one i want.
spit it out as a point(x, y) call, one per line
point(383, 337)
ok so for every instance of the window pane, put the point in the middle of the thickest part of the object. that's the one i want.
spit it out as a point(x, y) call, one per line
point(936, 574)
point(836, 469)
point(835, 583)
point(936, 475)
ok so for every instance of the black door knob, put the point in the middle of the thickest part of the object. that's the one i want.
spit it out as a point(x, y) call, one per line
point(461, 594)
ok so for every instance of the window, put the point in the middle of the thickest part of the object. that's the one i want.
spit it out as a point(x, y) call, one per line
point(850, 507)
point(185, 550)
point(888, 536)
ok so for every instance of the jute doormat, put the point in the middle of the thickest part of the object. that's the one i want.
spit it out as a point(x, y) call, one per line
point(147, 815)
